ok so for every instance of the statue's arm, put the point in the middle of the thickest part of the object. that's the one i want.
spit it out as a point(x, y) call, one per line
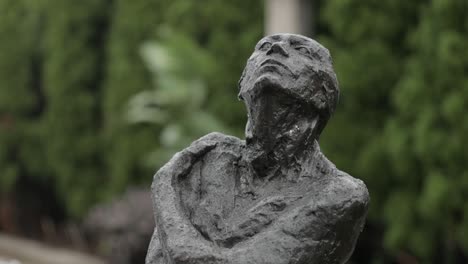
point(180, 241)
point(315, 230)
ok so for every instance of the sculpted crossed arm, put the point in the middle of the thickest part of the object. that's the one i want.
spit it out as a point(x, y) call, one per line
point(314, 230)
point(179, 241)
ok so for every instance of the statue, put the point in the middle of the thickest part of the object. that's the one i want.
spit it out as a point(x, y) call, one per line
point(273, 198)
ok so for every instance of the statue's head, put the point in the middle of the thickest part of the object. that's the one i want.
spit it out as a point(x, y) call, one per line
point(291, 72)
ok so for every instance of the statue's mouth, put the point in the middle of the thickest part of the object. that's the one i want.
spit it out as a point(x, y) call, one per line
point(274, 63)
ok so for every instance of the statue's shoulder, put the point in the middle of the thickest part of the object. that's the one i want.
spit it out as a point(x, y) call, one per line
point(216, 139)
point(353, 190)
point(216, 142)
point(181, 163)
point(343, 187)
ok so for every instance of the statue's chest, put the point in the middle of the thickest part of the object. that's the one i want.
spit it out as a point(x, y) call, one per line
point(223, 203)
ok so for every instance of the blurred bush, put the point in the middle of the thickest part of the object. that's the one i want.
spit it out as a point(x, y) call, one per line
point(403, 70)
point(177, 104)
point(69, 69)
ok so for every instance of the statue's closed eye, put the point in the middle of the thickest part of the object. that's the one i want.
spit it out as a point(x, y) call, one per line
point(265, 46)
point(303, 50)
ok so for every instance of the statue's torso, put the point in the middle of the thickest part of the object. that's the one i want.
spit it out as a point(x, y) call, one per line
point(228, 205)
point(217, 211)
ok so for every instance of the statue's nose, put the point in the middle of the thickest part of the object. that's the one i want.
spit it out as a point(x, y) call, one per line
point(278, 48)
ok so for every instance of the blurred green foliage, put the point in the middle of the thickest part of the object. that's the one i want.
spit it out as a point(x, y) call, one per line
point(403, 69)
point(177, 105)
point(20, 146)
point(96, 94)
point(69, 70)
point(129, 25)
point(72, 51)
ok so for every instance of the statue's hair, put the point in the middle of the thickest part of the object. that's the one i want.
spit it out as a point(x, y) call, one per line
point(328, 83)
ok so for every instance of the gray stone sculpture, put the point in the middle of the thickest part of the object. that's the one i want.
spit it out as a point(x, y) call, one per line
point(273, 198)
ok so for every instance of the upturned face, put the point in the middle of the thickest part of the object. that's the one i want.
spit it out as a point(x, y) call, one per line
point(288, 69)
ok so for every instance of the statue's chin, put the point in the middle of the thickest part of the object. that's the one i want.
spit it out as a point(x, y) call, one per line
point(268, 79)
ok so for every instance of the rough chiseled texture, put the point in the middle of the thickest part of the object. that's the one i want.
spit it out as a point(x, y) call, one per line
point(273, 198)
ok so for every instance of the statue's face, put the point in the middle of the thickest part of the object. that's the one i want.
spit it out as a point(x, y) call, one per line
point(292, 63)
point(287, 70)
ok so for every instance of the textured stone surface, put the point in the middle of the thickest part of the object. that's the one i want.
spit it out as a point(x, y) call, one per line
point(273, 198)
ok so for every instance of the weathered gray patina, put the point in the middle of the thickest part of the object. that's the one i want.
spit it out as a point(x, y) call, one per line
point(273, 198)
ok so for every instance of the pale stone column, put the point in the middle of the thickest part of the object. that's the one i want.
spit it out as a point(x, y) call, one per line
point(289, 16)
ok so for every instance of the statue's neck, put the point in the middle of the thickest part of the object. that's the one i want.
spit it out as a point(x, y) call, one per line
point(279, 141)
